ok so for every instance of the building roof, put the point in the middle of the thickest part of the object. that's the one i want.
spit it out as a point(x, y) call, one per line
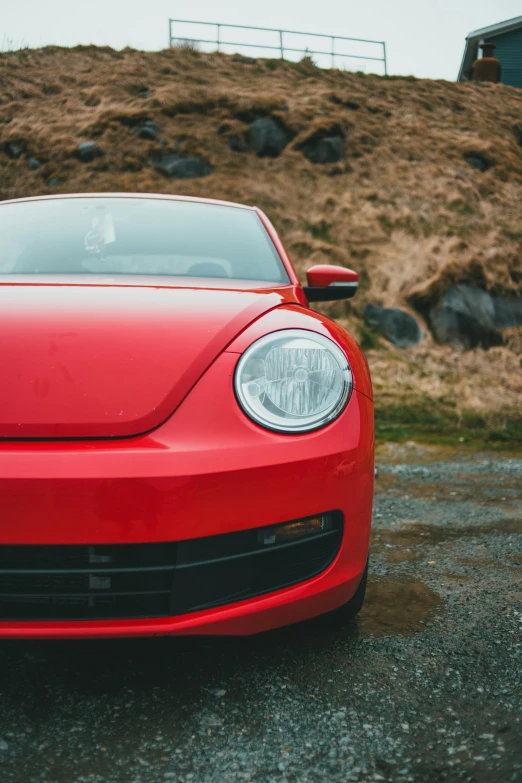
point(474, 38)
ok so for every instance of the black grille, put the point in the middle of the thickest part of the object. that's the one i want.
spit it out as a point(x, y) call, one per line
point(70, 582)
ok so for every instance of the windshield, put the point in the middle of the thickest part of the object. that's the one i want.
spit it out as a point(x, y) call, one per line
point(136, 236)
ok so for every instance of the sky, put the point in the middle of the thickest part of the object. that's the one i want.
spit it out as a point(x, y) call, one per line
point(424, 38)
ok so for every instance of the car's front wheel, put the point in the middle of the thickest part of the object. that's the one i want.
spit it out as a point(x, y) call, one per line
point(348, 611)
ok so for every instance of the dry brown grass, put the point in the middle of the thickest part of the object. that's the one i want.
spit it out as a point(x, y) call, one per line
point(404, 208)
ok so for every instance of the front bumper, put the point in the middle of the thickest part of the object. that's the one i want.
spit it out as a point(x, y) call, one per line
point(200, 474)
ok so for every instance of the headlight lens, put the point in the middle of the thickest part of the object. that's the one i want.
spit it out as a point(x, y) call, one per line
point(293, 381)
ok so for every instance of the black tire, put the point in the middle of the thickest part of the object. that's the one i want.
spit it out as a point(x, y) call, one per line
point(346, 613)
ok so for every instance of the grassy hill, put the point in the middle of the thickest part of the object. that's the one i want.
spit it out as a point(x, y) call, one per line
point(427, 195)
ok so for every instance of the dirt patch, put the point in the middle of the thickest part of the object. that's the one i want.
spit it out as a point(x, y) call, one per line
point(462, 490)
point(420, 534)
point(394, 608)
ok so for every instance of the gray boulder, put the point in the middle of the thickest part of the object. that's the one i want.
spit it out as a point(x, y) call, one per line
point(399, 327)
point(174, 166)
point(54, 182)
point(267, 138)
point(508, 312)
point(12, 149)
point(33, 164)
point(329, 149)
point(238, 144)
point(477, 161)
point(146, 129)
point(87, 151)
point(466, 318)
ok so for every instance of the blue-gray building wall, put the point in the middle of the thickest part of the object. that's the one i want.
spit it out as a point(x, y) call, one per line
point(509, 52)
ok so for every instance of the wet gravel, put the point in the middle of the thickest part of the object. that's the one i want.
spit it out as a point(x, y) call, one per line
point(426, 686)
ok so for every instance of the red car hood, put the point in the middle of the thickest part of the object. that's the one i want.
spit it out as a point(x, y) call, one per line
point(97, 361)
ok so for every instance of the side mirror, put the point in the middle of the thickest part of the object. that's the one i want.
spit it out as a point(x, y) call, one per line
point(327, 283)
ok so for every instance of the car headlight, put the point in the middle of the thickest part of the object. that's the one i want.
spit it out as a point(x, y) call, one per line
point(293, 381)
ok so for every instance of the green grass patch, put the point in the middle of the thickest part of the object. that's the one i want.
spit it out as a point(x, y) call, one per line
point(319, 230)
point(427, 421)
point(369, 340)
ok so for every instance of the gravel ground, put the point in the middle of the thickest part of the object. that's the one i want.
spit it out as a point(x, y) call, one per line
point(427, 686)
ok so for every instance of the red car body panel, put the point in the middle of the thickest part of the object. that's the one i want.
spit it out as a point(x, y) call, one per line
point(191, 464)
point(88, 361)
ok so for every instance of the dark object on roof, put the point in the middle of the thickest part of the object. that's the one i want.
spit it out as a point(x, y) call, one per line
point(507, 37)
point(487, 68)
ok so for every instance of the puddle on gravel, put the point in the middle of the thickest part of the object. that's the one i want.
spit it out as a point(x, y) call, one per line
point(400, 544)
point(399, 608)
point(394, 608)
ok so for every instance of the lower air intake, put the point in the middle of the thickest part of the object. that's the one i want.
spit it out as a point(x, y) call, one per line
point(70, 582)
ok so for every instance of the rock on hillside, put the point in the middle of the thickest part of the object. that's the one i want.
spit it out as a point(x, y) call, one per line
point(416, 184)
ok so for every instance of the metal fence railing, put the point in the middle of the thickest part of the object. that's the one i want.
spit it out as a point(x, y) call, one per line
point(282, 44)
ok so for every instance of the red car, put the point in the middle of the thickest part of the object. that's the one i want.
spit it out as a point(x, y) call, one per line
point(185, 446)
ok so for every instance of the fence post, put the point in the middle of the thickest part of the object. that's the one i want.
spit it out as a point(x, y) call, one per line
point(333, 51)
point(281, 44)
point(385, 63)
point(218, 35)
point(170, 33)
